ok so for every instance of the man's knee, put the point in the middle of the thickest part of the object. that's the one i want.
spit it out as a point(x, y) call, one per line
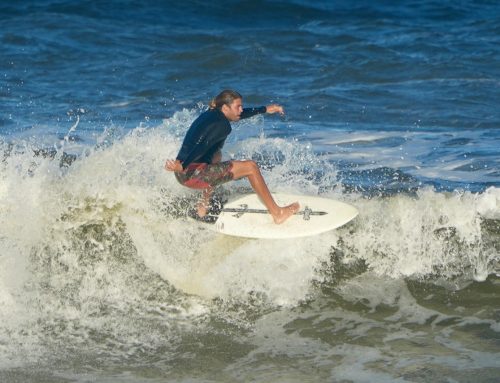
point(244, 168)
point(251, 166)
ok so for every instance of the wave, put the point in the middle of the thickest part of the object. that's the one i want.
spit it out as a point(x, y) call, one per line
point(89, 241)
point(123, 189)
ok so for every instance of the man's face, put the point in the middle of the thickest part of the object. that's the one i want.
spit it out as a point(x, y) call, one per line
point(233, 111)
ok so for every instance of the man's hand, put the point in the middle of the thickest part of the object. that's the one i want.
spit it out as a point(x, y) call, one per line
point(173, 166)
point(275, 108)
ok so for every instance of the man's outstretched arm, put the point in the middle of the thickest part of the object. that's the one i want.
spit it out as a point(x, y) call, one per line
point(270, 109)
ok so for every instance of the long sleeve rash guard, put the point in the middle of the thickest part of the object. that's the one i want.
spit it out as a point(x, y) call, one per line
point(207, 135)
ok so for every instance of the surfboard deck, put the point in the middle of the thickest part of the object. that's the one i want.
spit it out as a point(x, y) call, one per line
point(248, 217)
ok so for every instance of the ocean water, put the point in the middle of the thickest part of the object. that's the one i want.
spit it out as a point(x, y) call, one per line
point(390, 106)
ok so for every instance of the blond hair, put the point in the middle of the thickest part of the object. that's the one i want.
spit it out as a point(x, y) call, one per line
point(226, 97)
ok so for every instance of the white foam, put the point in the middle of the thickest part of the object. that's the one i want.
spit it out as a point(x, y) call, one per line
point(281, 271)
point(431, 233)
point(488, 203)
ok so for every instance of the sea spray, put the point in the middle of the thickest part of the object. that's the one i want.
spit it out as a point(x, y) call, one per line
point(430, 234)
point(100, 255)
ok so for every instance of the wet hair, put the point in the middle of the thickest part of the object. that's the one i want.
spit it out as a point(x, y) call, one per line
point(226, 97)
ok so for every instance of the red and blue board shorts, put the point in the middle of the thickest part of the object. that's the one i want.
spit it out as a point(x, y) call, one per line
point(204, 176)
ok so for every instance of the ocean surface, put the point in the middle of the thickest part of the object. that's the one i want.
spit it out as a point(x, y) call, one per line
point(392, 106)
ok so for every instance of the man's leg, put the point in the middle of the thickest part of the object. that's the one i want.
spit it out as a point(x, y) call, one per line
point(204, 202)
point(250, 170)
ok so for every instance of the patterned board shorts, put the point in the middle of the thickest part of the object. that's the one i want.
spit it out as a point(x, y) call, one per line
point(203, 176)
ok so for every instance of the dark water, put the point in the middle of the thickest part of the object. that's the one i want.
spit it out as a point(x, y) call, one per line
point(392, 107)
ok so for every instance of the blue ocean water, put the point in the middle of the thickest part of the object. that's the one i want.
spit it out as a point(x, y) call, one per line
point(390, 106)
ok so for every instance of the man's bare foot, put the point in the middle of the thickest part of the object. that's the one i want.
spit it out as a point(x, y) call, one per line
point(286, 212)
point(201, 209)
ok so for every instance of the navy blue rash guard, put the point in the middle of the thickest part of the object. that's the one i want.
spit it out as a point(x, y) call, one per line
point(207, 135)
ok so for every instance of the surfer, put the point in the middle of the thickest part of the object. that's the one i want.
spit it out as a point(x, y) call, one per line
point(198, 164)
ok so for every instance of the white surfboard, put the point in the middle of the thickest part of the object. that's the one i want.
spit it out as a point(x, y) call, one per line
point(248, 217)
